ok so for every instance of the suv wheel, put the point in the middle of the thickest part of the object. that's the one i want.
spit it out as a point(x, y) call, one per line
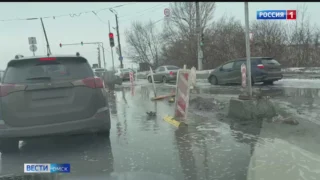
point(9, 145)
point(213, 80)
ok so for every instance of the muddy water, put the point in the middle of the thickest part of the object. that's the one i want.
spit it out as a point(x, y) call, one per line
point(213, 147)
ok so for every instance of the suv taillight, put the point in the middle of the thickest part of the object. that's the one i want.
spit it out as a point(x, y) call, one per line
point(260, 66)
point(6, 89)
point(91, 82)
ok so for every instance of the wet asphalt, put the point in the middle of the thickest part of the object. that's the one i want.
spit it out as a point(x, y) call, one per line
point(213, 147)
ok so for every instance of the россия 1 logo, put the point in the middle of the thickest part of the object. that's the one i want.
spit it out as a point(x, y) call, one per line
point(277, 15)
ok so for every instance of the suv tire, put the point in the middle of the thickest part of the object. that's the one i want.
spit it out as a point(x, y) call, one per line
point(213, 80)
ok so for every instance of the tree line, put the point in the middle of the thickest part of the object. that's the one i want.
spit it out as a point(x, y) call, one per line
point(292, 43)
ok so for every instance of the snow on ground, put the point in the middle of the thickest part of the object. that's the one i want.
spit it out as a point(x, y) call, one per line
point(302, 69)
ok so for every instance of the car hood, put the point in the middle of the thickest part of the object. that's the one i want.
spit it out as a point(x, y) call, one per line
point(96, 176)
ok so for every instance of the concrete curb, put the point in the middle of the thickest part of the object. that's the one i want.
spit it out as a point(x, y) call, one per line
point(172, 121)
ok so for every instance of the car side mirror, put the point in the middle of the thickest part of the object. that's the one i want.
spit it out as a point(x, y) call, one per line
point(221, 68)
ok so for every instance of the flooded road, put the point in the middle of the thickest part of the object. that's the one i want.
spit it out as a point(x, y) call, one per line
point(212, 148)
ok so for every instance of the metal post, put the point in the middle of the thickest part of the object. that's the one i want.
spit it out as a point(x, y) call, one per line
point(198, 24)
point(247, 31)
point(118, 34)
point(99, 61)
point(45, 35)
point(111, 50)
point(104, 59)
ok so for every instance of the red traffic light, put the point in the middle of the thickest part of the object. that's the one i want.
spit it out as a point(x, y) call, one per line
point(60, 45)
point(111, 35)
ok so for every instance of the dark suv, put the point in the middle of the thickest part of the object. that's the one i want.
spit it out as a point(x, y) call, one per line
point(263, 69)
point(42, 96)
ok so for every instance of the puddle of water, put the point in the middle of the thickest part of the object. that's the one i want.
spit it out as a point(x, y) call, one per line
point(281, 160)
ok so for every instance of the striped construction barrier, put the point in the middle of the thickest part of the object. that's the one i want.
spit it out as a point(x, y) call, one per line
point(182, 95)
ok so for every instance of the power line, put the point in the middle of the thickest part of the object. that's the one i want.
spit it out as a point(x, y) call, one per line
point(139, 15)
point(141, 11)
point(70, 14)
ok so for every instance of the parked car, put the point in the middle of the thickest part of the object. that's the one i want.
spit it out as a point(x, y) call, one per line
point(164, 74)
point(263, 69)
point(44, 96)
point(109, 77)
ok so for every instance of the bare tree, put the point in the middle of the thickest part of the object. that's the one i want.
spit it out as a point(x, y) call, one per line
point(224, 41)
point(144, 43)
point(269, 39)
point(292, 43)
point(181, 28)
point(303, 39)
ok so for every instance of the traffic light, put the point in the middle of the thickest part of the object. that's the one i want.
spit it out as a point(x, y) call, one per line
point(111, 39)
point(60, 45)
point(81, 43)
point(202, 39)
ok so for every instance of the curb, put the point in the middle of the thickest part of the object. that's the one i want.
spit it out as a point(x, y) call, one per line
point(174, 122)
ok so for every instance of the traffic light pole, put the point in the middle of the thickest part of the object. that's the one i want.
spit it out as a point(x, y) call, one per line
point(199, 49)
point(118, 34)
point(246, 15)
point(111, 50)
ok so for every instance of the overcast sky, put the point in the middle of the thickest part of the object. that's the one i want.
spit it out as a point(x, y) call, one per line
point(87, 27)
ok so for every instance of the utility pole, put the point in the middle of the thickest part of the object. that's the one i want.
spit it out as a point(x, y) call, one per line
point(99, 62)
point(104, 59)
point(45, 34)
point(119, 44)
point(199, 49)
point(111, 51)
point(247, 31)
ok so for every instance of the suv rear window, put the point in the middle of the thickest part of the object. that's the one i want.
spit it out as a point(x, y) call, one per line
point(270, 61)
point(62, 68)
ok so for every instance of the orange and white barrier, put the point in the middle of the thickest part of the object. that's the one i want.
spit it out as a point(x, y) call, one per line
point(182, 94)
point(243, 75)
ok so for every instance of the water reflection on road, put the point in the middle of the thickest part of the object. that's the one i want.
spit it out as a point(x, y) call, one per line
point(211, 148)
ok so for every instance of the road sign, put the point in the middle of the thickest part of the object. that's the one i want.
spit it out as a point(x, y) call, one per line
point(32, 40)
point(120, 58)
point(182, 95)
point(33, 48)
point(243, 75)
point(166, 12)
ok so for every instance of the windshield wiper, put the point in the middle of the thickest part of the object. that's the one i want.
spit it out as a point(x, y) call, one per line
point(40, 78)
